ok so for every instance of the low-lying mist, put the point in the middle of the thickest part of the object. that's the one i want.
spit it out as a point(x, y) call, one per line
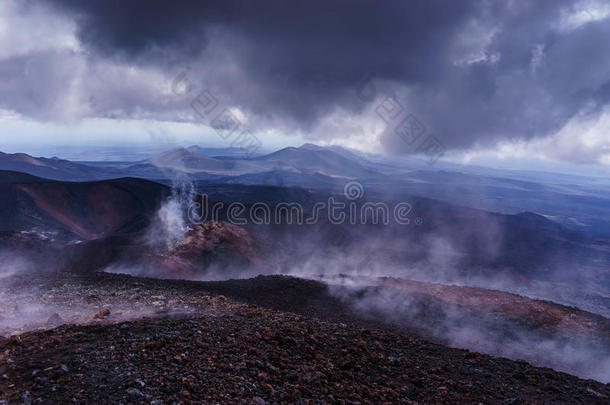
point(366, 267)
point(366, 274)
point(461, 320)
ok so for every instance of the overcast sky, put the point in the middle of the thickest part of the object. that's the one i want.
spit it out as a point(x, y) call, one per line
point(508, 79)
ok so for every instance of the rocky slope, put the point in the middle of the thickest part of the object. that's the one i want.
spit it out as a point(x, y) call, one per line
point(82, 211)
point(120, 339)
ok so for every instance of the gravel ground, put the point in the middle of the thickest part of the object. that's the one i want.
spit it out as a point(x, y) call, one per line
point(245, 354)
point(154, 341)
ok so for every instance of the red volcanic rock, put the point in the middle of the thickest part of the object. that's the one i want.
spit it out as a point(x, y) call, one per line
point(102, 313)
point(545, 314)
point(89, 210)
point(213, 244)
point(220, 240)
point(83, 211)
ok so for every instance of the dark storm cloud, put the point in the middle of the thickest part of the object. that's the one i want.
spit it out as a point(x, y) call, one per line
point(308, 56)
point(472, 71)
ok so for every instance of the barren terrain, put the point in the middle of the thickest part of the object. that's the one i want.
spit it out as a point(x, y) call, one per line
point(121, 339)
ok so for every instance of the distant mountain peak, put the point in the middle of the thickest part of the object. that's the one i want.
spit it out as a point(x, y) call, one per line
point(178, 155)
point(311, 146)
point(178, 150)
point(55, 168)
point(233, 152)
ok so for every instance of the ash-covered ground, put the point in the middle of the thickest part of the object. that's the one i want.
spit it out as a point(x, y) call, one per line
point(121, 339)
